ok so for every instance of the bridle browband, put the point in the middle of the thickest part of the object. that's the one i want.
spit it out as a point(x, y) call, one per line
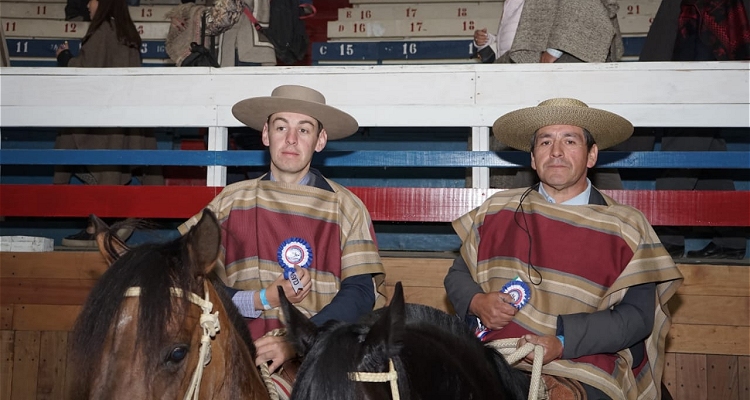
point(208, 321)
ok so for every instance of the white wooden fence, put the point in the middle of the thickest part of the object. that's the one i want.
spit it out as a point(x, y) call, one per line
point(698, 94)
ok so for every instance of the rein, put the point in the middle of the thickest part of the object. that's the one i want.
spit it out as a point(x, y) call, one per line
point(390, 376)
point(208, 321)
point(506, 347)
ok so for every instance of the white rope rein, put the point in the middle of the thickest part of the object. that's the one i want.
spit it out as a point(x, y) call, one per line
point(507, 347)
point(390, 376)
point(210, 324)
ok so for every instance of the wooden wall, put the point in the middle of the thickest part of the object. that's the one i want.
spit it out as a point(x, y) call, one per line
point(41, 294)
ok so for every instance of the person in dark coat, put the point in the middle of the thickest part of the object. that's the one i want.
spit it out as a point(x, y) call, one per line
point(698, 30)
point(111, 41)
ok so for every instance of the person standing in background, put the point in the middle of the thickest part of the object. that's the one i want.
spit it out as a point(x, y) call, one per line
point(533, 31)
point(547, 31)
point(698, 30)
point(111, 41)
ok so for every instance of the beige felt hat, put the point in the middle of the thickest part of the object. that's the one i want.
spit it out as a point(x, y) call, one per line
point(254, 112)
point(516, 128)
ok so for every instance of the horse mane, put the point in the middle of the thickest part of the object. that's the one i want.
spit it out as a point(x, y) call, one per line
point(336, 385)
point(233, 313)
point(155, 268)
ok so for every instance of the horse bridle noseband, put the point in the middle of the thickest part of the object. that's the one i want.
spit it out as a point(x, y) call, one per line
point(506, 347)
point(208, 321)
point(390, 376)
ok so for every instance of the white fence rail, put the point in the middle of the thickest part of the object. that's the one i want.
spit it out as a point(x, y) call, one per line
point(699, 94)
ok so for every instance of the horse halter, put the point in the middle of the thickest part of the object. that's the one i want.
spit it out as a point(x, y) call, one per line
point(390, 376)
point(208, 321)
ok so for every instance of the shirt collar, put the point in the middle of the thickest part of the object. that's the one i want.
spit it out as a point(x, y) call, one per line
point(304, 181)
point(581, 199)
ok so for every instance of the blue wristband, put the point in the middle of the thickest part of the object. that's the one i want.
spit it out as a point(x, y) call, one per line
point(264, 300)
point(561, 338)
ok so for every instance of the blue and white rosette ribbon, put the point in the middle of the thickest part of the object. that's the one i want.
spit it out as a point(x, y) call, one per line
point(519, 291)
point(481, 330)
point(521, 294)
point(294, 252)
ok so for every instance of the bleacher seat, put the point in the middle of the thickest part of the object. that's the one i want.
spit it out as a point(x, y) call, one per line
point(33, 30)
point(433, 31)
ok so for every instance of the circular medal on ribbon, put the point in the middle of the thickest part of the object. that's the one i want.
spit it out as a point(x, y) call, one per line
point(519, 291)
point(294, 252)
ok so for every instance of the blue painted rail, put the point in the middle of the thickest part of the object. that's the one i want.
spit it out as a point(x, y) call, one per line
point(368, 158)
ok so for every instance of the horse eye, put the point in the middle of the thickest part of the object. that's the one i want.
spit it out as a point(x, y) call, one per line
point(177, 354)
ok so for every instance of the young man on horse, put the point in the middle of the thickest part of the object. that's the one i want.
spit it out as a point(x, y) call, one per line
point(294, 228)
point(564, 266)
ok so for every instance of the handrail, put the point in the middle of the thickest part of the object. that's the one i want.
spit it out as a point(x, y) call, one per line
point(368, 158)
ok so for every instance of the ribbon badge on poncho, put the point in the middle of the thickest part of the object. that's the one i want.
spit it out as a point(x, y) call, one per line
point(519, 291)
point(294, 252)
point(521, 294)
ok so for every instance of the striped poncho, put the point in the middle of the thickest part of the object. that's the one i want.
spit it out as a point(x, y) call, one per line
point(588, 256)
point(257, 216)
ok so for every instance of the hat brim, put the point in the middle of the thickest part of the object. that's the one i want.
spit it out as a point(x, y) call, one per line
point(516, 128)
point(254, 112)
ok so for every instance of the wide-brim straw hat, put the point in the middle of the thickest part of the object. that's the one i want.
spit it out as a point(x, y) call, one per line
point(516, 128)
point(254, 112)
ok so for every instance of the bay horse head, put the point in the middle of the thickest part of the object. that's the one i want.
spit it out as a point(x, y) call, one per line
point(405, 351)
point(156, 327)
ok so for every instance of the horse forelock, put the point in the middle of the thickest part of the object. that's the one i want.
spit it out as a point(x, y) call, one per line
point(154, 268)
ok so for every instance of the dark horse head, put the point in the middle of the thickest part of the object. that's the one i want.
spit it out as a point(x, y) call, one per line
point(139, 334)
point(434, 356)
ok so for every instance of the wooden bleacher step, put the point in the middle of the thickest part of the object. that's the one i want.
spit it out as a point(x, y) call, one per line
point(419, 11)
point(142, 2)
point(42, 48)
point(636, 16)
point(42, 28)
point(21, 10)
point(375, 52)
point(383, 32)
point(409, 28)
point(420, 1)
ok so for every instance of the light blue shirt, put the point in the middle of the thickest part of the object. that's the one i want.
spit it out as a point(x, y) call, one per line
point(579, 200)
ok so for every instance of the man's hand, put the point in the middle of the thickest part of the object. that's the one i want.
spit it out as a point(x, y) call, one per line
point(272, 294)
point(493, 309)
point(61, 47)
point(480, 37)
point(552, 347)
point(275, 349)
point(547, 58)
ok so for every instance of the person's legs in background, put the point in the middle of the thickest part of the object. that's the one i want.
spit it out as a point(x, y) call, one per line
point(726, 246)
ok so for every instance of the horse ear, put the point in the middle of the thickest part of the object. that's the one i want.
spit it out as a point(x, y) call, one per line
point(110, 246)
point(389, 329)
point(203, 242)
point(300, 332)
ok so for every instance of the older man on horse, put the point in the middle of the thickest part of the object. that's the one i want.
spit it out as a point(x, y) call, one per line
point(564, 266)
point(293, 228)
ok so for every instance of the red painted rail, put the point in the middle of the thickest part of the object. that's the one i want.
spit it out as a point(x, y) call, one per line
point(673, 208)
